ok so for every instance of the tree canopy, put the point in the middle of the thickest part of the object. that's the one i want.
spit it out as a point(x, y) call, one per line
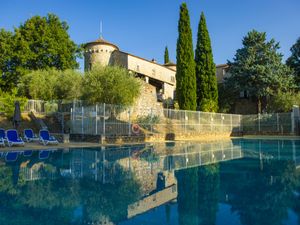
point(7, 57)
point(51, 84)
point(185, 74)
point(258, 69)
point(294, 60)
point(39, 43)
point(112, 85)
point(207, 89)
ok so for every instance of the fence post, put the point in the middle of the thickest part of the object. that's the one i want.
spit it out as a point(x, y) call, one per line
point(151, 120)
point(222, 130)
point(185, 119)
point(230, 122)
point(292, 122)
point(277, 119)
point(296, 114)
point(82, 114)
point(258, 122)
point(240, 123)
point(104, 119)
point(199, 120)
point(62, 123)
point(129, 122)
point(72, 120)
point(96, 118)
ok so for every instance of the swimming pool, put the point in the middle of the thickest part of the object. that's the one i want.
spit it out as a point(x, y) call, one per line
point(232, 182)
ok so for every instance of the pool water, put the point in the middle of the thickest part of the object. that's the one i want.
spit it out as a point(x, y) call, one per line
point(232, 182)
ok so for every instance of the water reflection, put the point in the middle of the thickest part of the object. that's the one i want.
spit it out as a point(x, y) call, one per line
point(257, 180)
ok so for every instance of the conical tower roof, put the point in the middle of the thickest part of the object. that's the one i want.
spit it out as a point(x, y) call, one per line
point(101, 41)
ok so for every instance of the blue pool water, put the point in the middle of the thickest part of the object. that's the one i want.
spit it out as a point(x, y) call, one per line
point(232, 182)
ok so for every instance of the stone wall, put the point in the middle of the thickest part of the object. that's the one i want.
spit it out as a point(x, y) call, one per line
point(147, 102)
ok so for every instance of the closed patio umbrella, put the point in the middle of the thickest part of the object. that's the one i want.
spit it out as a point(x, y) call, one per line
point(17, 115)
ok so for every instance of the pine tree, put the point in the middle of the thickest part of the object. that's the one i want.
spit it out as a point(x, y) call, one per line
point(185, 75)
point(207, 88)
point(258, 69)
point(166, 56)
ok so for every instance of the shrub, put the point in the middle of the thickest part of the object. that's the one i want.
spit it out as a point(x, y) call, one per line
point(110, 84)
point(51, 84)
point(7, 102)
point(147, 121)
point(283, 101)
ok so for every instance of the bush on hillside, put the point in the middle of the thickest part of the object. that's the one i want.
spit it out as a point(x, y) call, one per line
point(111, 85)
point(51, 84)
point(7, 102)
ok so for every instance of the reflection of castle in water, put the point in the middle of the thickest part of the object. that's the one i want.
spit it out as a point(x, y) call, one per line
point(151, 166)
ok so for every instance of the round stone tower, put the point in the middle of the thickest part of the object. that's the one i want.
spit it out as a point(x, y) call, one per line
point(98, 52)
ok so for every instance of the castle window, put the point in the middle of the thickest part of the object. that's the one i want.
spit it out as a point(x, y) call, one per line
point(172, 79)
point(137, 68)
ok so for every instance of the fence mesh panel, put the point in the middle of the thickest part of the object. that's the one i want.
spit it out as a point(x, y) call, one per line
point(119, 120)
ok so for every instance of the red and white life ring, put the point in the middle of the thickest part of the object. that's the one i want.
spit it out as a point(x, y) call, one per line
point(135, 128)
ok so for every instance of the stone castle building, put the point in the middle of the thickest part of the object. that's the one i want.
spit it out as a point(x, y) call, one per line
point(162, 77)
point(159, 77)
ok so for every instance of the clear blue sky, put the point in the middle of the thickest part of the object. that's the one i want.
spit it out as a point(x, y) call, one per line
point(145, 27)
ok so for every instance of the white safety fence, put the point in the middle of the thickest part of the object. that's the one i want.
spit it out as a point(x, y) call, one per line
point(107, 119)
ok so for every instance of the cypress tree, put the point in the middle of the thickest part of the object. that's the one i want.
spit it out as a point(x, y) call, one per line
point(185, 74)
point(207, 88)
point(166, 56)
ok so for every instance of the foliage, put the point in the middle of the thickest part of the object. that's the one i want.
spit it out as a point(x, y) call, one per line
point(166, 56)
point(208, 105)
point(51, 84)
point(257, 68)
point(39, 84)
point(7, 102)
point(53, 201)
point(7, 67)
point(147, 121)
point(294, 60)
point(185, 74)
point(69, 84)
point(226, 98)
point(207, 89)
point(39, 43)
point(45, 43)
point(284, 101)
point(112, 85)
point(274, 186)
point(209, 185)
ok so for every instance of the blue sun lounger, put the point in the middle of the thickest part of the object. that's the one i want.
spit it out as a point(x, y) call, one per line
point(13, 138)
point(30, 136)
point(2, 137)
point(44, 154)
point(27, 153)
point(46, 139)
point(11, 156)
point(2, 143)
